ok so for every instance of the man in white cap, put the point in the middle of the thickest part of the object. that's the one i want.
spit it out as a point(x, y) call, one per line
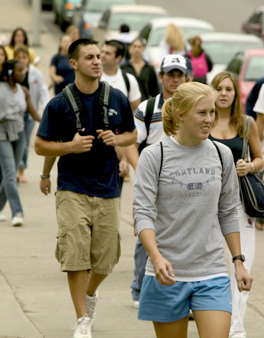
point(148, 120)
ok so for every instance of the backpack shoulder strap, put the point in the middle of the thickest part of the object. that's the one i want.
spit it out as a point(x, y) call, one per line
point(75, 104)
point(104, 100)
point(126, 80)
point(149, 113)
point(161, 158)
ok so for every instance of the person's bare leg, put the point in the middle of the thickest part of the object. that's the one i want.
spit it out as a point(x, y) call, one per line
point(172, 330)
point(94, 281)
point(78, 284)
point(213, 323)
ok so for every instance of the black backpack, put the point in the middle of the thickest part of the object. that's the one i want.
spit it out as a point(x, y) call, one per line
point(77, 106)
point(148, 116)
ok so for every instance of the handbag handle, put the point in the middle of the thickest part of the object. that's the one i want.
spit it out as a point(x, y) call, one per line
point(245, 151)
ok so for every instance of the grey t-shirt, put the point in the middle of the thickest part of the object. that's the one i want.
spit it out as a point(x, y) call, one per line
point(190, 206)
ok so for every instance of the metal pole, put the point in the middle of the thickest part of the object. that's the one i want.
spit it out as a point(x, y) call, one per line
point(36, 10)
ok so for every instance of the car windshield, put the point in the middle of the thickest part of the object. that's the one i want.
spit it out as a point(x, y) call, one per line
point(135, 20)
point(221, 52)
point(188, 32)
point(102, 5)
point(255, 68)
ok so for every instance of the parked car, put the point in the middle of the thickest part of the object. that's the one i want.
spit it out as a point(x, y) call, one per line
point(134, 16)
point(90, 11)
point(154, 31)
point(221, 47)
point(255, 24)
point(248, 66)
point(64, 10)
point(45, 4)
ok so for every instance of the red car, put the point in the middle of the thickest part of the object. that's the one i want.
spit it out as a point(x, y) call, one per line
point(248, 67)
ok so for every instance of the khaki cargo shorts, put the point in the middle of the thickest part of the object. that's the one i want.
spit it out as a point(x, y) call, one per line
point(88, 232)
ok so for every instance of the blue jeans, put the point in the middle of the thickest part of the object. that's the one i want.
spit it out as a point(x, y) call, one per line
point(140, 258)
point(28, 128)
point(10, 157)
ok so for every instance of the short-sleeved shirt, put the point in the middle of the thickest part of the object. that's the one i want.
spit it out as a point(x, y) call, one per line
point(117, 81)
point(156, 132)
point(252, 98)
point(94, 173)
point(259, 105)
point(64, 69)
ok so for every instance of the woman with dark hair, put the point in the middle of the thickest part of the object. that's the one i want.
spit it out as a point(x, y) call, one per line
point(34, 81)
point(143, 72)
point(3, 57)
point(19, 37)
point(201, 62)
point(14, 101)
point(230, 130)
point(61, 72)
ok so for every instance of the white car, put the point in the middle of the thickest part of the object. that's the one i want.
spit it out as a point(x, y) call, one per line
point(154, 31)
point(135, 16)
point(221, 47)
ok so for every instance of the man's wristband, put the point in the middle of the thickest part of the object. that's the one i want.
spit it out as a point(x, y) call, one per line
point(44, 176)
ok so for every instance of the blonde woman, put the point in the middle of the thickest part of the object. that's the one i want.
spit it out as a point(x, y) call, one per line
point(173, 42)
point(184, 203)
point(230, 130)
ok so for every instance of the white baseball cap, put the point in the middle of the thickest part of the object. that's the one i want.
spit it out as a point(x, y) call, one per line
point(173, 61)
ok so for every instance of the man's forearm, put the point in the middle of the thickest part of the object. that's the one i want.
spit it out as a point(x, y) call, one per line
point(260, 125)
point(48, 164)
point(127, 138)
point(133, 155)
point(50, 148)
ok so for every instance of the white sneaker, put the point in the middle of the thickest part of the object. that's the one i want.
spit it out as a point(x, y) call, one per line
point(82, 328)
point(2, 217)
point(91, 305)
point(17, 220)
point(136, 304)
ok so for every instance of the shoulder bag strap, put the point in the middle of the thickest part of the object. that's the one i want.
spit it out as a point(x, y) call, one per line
point(161, 158)
point(245, 151)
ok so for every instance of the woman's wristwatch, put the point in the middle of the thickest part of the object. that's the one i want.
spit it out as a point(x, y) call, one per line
point(239, 257)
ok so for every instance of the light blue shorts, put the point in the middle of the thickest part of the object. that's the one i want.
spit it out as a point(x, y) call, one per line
point(169, 303)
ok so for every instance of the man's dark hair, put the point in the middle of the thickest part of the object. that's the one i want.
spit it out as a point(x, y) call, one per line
point(74, 49)
point(124, 28)
point(120, 47)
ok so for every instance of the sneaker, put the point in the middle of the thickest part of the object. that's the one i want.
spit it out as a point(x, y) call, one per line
point(17, 220)
point(2, 217)
point(82, 328)
point(91, 305)
point(136, 304)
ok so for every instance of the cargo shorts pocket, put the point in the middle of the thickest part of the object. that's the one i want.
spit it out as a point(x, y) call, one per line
point(61, 242)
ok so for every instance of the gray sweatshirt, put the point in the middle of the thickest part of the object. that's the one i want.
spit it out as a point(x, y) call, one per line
point(190, 206)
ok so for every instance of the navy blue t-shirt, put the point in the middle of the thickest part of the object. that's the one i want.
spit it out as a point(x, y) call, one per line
point(252, 98)
point(64, 69)
point(96, 172)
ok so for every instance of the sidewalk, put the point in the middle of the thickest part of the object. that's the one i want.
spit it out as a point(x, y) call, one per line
point(34, 296)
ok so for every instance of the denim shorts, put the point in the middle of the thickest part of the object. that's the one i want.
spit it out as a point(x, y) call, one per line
point(169, 303)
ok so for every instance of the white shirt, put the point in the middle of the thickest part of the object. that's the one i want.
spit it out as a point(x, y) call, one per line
point(259, 105)
point(117, 81)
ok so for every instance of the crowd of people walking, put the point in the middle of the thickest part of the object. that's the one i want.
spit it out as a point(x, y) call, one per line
point(184, 139)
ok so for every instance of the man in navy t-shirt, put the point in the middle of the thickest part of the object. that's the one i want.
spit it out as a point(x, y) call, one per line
point(87, 198)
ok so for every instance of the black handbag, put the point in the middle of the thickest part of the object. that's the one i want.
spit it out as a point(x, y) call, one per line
point(251, 186)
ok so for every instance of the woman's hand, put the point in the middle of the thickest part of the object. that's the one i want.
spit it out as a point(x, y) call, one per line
point(163, 271)
point(244, 280)
point(242, 167)
point(58, 79)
